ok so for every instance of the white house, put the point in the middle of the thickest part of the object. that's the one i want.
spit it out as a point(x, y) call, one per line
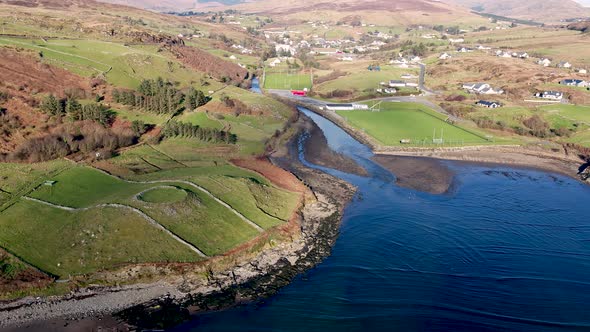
point(488, 104)
point(553, 95)
point(464, 50)
point(285, 48)
point(582, 71)
point(457, 40)
point(482, 88)
point(564, 64)
point(544, 62)
point(483, 48)
point(445, 56)
point(520, 55)
point(397, 84)
point(574, 82)
point(275, 62)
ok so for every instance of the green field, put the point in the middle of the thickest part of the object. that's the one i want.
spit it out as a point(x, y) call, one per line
point(71, 243)
point(402, 121)
point(163, 195)
point(287, 81)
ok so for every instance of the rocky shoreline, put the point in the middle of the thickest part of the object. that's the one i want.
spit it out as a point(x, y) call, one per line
point(171, 301)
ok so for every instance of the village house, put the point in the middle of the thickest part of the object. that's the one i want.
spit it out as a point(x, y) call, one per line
point(574, 82)
point(553, 95)
point(564, 64)
point(582, 71)
point(397, 84)
point(482, 88)
point(488, 104)
point(483, 48)
point(445, 56)
point(544, 62)
point(503, 54)
point(520, 55)
point(464, 50)
point(388, 91)
point(457, 40)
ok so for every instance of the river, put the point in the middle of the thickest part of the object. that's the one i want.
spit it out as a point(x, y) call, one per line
point(506, 249)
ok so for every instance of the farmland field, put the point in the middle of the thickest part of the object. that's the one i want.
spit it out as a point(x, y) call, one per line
point(69, 243)
point(287, 81)
point(401, 121)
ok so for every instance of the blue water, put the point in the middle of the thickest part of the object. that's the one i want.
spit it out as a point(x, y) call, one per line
point(506, 250)
point(255, 85)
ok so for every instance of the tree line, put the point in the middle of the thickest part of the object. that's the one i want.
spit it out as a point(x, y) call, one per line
point(182, 129)
point(160, 97)
point(72, 109)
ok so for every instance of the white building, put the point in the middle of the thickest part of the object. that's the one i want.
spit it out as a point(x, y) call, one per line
point(552, 95)
point(544, 62)
point(445, 56)
point(482, 88)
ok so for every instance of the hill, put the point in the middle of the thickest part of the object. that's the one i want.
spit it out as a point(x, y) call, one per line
point(547, 11)
point(377, 11)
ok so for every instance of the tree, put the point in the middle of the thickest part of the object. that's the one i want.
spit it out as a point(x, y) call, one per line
point(53, 106)
point(73, 109)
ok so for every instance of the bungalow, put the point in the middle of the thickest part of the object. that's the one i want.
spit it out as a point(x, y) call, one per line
point(544, 62)
point(564, 64)
point(553, 95)
point(488, 104)
point(397, 84)
point(582, 71)
point(458, 40)
point(574, 82)
point(482, 88)
point(502, 54)
point(464, 50)
point(520, 55)
point(445, 56)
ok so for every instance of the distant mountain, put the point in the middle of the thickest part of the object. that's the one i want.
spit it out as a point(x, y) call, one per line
point(375, 11)
point(536, 10)
point(158, 5)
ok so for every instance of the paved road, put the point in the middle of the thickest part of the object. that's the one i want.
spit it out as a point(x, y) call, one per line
point(321, 104)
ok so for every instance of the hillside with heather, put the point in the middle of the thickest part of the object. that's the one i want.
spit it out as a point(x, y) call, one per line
point(549, 11)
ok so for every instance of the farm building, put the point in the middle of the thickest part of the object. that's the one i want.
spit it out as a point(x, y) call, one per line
point(553, 95)
point(574, 82)
point(488, 104)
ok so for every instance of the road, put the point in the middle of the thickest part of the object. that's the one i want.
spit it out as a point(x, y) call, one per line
point(322, 104)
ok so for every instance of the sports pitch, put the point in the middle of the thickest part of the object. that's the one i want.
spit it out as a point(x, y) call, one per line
point(409, 121)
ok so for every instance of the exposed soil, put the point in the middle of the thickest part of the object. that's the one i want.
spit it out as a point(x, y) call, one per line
point(16, 276)
point(562, 162)
point(205, 62)
point(276, 175)
point(23, 74)
point(319, 153)
point(422, 174)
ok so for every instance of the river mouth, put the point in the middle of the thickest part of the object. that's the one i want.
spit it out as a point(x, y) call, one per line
point(506, 249)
